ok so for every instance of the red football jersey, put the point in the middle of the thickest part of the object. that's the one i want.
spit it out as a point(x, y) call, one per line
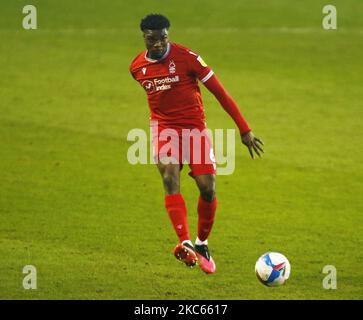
point(171, 85)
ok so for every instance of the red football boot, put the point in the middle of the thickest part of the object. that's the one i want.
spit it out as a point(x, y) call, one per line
point(184, 252)
point(205, 261)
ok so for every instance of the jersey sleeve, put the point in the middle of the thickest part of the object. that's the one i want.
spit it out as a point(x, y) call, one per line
point(198, 67)
point(131, 70)
point(133, 66)
point(228, 104)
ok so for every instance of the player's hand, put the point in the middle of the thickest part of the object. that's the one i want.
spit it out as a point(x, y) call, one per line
point(252, 143)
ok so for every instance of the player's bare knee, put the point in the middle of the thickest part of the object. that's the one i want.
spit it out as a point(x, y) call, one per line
point(207, 185)
point(171, 183)
point(208, 194)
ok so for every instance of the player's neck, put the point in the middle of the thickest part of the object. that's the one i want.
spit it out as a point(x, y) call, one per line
point(165, 53)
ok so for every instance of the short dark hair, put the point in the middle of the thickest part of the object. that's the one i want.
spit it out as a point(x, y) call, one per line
point(154, 22)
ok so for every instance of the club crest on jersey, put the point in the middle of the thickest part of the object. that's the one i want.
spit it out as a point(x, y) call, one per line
point(143, 70)
point(172, 67)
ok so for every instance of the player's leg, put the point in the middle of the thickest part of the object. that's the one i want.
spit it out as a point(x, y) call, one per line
point(176, 208)
point(204, 173)
point(203, 170)
point(170, 175)
point(207, 186)
point(207, 205)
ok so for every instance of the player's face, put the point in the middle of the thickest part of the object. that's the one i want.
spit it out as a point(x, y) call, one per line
point(156, 42)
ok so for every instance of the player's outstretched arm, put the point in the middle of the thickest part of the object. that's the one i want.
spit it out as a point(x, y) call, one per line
point(248, 138)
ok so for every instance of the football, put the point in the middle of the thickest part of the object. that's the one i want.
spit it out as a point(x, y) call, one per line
point(272, 269)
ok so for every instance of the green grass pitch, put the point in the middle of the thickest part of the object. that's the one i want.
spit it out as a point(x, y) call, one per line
point(95, 226)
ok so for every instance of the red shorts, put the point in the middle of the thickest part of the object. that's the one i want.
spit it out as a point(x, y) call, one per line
point(179, 146)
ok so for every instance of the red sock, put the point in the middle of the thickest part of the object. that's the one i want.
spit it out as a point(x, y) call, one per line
point(177, 212)
point(206, 213)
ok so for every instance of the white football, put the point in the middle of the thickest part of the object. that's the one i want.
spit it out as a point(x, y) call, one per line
point(272, 269)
